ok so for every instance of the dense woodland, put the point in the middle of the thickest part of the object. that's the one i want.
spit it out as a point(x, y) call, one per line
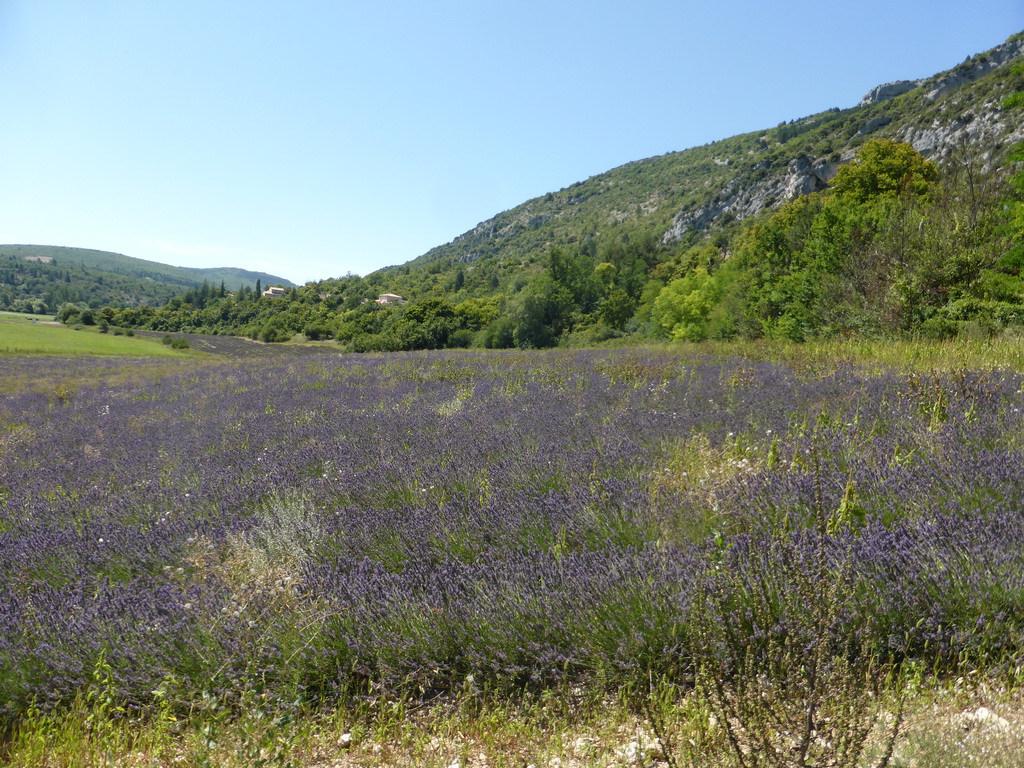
point(41, 288)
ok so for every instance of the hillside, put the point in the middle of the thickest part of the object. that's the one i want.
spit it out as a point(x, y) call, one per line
point(680, 196)
point(37, 276)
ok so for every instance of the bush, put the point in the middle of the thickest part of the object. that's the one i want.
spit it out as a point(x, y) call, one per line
point(175, 342)
point(938, 328)
point(68, 314)
point(316, 332)
point(272, 334)
point(788, 328)
point(461, 339)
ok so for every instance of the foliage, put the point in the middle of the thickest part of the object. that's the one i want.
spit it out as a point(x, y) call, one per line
point(175, 342)
point(919, 259)
point(884, 168)
point(684, 305)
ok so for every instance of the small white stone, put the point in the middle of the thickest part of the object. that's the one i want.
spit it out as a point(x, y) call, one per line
point(630, 752)
point(983, 717)
point(654, 749)
point(582, 746)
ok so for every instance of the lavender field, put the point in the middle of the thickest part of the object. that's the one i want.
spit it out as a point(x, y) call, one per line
point(331, 527)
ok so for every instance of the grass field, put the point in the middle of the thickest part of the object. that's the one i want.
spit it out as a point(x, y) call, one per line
point(24, 335)
point(25, 317)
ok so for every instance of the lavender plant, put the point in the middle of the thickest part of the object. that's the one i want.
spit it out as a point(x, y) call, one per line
point(792, 670)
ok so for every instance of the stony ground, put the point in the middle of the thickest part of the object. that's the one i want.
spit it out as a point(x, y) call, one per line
point(943, 729)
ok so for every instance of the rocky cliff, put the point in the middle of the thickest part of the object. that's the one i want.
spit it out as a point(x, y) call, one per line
point(959, 122)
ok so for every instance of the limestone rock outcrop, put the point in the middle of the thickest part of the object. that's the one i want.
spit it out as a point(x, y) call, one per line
point(888, 91)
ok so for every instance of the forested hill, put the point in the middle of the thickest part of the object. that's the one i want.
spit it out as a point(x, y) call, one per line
point(902, 214)
point(43, 277)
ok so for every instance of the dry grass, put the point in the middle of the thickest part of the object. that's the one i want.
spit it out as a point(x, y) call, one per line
point(947, 725)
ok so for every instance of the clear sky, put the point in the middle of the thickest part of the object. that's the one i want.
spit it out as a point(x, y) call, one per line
point(311, 138)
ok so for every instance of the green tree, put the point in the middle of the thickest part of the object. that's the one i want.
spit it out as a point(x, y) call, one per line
point(574, 277)
point(475, 314)
point(884, 168)
point(616, 308)
point(684, 306)
point(778, 271)
point(542, 313)
point(68, 313)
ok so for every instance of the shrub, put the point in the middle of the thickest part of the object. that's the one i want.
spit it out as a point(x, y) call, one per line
point(175, 342)
point(316, 332)
point(938, 328)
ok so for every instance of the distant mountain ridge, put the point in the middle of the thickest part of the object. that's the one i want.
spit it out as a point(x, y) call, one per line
point(119, 264)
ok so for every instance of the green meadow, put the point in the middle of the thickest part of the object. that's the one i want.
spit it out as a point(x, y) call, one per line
point(22, 335)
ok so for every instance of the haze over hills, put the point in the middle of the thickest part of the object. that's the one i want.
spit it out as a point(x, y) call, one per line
point(34, 277)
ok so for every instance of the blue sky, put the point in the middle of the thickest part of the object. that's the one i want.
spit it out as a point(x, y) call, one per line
point(311, 138)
